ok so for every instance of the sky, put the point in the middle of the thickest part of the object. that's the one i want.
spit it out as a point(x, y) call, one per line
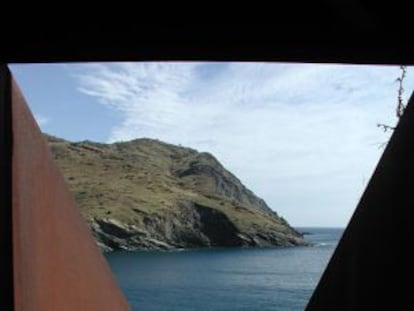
point(304, 137)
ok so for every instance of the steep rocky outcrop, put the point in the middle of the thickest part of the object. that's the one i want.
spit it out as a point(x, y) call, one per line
point(146, 194)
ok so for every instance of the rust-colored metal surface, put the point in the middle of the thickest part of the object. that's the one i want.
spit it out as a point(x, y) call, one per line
point(6, 258)
point(57, 265)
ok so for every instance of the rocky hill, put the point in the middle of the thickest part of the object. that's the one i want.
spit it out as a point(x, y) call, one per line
point(146, 194)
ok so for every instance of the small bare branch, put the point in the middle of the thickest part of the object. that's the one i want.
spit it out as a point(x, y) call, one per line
point(399, 110)
point(379, 145)
point(386, 127)
point(400, 105)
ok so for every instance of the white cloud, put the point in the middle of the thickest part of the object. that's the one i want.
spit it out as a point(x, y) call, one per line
point(302, 136)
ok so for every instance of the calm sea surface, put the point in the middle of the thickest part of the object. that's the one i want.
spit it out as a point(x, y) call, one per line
point(224, 279)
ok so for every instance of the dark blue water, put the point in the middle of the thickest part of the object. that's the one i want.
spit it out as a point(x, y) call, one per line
point(224, 279)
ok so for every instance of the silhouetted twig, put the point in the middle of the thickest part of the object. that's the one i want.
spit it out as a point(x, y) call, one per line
point(400, 80)
point(399, 111)
point(386, 127)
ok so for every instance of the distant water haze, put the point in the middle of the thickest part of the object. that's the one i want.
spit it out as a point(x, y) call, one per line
point(303, 137)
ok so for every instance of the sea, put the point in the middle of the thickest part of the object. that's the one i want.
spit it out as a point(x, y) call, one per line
point(221, 279)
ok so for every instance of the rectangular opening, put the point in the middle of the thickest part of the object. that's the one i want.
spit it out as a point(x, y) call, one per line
point(302, 137)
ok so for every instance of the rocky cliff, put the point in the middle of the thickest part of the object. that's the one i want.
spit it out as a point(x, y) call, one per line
point(146, 194)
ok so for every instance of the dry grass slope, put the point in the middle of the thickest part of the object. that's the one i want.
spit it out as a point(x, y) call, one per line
point(147, 194)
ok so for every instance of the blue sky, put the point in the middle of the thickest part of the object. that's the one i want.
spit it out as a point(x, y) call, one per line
point(301, 136)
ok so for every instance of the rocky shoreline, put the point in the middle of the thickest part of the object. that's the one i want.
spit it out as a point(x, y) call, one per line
point(112, 235)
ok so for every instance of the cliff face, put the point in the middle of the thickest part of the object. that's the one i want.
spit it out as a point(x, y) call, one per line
point(146, 194)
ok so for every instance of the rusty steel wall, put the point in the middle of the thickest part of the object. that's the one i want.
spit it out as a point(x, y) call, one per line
point(6, 258)
point(57, 265)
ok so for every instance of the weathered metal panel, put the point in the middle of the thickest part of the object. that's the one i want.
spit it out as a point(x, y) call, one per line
point(6, 256)
point(57, 265)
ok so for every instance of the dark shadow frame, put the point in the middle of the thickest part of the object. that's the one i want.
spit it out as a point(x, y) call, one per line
point(254, 43)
